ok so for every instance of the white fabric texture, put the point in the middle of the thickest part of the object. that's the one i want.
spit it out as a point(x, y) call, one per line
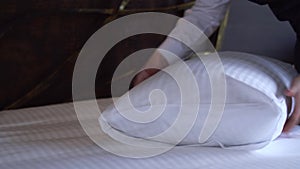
point(206, 15)
point(50, 137)
point(255, 107)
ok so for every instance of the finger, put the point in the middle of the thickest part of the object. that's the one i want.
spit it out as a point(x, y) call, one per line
point(139, 78)
point(136, 80)
point(295, 117)
point(143, 75)
point(295, 87)
point(292, 91)
point(291, 122)
point(289, 93)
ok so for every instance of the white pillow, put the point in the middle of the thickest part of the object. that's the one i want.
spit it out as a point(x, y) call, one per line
point(255, 106)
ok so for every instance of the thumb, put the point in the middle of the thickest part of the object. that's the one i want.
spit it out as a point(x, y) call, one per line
point(290, 92)
point(295, 87)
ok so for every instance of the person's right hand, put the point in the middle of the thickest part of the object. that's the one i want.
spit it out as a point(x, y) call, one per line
point(155, 63)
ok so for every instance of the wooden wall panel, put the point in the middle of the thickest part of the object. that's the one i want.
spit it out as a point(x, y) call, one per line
point(40, 40)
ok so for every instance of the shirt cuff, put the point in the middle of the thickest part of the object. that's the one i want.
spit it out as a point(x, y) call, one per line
point(176, 48)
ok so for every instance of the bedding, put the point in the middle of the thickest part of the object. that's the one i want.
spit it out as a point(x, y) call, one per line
point(51, 137)
point(254, 113)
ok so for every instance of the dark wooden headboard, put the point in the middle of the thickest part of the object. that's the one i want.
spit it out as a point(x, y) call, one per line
point(40, 41)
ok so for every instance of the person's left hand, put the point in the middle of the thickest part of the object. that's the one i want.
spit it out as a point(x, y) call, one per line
point(293, 91)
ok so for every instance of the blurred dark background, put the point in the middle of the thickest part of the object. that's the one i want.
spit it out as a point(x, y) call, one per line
point(40, 41)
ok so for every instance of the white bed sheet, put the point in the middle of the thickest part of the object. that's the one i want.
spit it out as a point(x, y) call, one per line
point(51, 137)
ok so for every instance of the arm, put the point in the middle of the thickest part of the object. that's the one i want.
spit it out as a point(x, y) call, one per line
point(205, 15)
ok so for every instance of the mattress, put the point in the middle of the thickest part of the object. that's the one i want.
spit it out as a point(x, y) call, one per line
point(51, 137)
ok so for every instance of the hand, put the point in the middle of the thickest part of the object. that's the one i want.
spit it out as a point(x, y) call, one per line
point(153, 65)
point(143, 75)
point(294, 91)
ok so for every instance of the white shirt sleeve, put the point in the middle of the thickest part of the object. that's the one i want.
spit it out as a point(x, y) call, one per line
point(205, 15)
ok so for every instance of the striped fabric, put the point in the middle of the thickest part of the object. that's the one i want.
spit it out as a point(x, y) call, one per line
point(254, 95)
point(50, 137)
point(259, 72)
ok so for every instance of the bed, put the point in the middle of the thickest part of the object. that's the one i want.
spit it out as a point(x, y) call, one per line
point(51, 137)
